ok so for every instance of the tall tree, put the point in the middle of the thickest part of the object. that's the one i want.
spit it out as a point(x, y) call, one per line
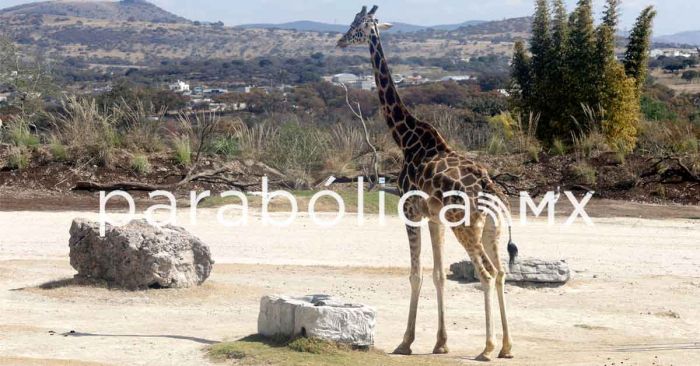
point(581, 56)
point(621, 104)
point(637, 56)
point(560, 96)
point(521, 79)
point(606, 33)
point(541, 49)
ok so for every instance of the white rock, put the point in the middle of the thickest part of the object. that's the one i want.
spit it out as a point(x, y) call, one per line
point(318, 316)
point(527, 270)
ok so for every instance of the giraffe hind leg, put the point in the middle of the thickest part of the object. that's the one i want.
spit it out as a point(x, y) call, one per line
point(470, 238)
point(491, 239)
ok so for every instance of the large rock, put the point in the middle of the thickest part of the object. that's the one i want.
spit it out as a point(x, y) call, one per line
point(524, 271)
point(138, 255)
point(317, 316)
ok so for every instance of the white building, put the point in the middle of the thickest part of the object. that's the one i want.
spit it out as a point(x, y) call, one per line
point(353, 81)
point(180, 87)
point(457, 78)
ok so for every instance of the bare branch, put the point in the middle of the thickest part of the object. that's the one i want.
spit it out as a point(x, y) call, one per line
point(375, 154)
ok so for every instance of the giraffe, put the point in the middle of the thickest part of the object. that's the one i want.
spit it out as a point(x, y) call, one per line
point(431, 166)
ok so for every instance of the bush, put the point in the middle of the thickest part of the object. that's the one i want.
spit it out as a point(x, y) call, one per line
point(140, 164)
point(296, 148)
point(18, 158)
point(533, 151)
point(182, 150)
point(497, 146)
point(225, 146)
point(590, 145)
point(583, 173)
point(88, 133)
point(19, 134)
point(58, 151)
point(558, 147)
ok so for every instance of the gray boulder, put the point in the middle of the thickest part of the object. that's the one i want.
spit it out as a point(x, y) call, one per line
point(318, 316)
point(138, 255)
point(523, 271)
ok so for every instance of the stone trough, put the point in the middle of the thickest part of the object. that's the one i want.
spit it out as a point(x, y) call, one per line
point(317, 316)
point(533, 271)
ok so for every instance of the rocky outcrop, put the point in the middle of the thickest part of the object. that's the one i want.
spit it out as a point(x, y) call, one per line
point(138, 255)
point(318, 316)
point(523, 271)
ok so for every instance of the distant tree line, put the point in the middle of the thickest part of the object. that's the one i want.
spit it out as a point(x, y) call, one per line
point(572, 78)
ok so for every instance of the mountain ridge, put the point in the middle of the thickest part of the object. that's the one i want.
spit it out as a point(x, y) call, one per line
point(687, 37)
point(124, 10)
point(314, 26)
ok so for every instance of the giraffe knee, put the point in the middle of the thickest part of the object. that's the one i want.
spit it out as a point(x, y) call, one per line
point(439, 277)
point(501, 278)
point(415, 280)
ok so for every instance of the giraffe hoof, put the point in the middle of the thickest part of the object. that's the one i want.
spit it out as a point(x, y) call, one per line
point(441, 350)
point(483, 357)
point(403, 350)
point(505, 354)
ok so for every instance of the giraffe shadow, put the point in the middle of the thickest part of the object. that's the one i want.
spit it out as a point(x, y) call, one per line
point(168, 336)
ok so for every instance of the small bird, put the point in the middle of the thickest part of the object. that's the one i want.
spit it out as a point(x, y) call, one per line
point(512, 248)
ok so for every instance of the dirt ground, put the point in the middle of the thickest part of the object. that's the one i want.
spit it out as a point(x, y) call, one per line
point(633, 299)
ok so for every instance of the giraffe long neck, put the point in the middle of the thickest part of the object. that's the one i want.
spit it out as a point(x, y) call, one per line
point(417, 139)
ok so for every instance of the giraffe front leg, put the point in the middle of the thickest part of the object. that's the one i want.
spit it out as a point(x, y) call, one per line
point(437, 234)
point(416, 279)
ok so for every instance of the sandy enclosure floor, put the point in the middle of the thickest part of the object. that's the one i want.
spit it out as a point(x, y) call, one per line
point(634, 298)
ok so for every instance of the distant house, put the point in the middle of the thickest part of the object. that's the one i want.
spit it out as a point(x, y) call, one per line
point(354, 81)
point(180, 87)
point(457, 78)
point(344, 78)
point(671, 52)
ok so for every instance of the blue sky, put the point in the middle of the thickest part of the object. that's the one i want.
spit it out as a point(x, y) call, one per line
point(674, 15)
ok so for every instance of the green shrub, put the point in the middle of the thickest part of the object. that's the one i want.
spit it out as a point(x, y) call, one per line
point(583, 173)
point(18, 158)
point(558, 147)
point(225, 146)
point(297, 148)
point(182, 150)
point(19, 134)
point(688, 145)
point(533, 151)
point(140, 164)
point(590, 144)
point(58, 151)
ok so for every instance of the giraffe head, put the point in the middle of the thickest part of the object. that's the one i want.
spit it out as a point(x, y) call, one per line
point(361, 28)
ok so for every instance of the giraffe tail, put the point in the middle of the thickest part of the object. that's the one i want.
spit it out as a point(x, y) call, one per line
point(512, 249)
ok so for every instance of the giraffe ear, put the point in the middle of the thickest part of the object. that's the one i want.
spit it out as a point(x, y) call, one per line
point(384, 26)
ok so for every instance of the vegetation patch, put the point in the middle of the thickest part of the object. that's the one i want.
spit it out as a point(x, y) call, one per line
point(258, 350)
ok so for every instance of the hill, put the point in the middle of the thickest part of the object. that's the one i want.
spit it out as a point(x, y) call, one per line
point(311, 26)
point(124, 10)
point(521, 25)
point(686, 38)
point(137, 33)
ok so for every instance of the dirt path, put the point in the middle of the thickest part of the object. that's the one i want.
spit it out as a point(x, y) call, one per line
point(633, 301)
